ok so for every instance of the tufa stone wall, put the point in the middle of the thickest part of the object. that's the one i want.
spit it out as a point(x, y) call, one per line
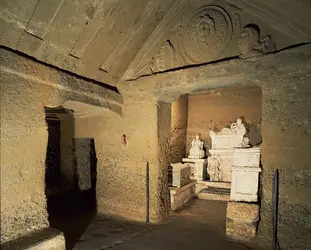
point(286, 145)
point(121, 169)
point(179, 129)
point(26, 88)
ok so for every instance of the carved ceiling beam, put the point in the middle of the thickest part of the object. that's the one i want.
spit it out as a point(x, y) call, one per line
point(128, 37)
point(100, 19)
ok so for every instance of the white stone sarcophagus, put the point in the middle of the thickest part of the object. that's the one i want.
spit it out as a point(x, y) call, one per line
point(220, 164)
point(245, 174)
point(220, 160)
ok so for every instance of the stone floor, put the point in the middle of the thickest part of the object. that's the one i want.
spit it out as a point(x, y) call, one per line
point(72, 213)
point(200, 225)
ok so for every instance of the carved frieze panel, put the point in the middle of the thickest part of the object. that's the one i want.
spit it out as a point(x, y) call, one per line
point(165, 58)
point(250, 44)
point(200, 34)
point(207, 35)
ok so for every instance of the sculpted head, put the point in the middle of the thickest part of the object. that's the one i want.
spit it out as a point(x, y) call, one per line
point(239, 121)
point(248, 39)
point(197, 137)
point(205, 28)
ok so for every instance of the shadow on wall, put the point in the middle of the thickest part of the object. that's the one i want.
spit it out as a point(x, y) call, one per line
point(71, 171)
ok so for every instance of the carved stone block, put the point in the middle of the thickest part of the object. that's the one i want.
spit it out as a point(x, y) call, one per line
point(198, 168)
point(249, 157)
point(244, 185)
point(240, 231)
point(179, 196)
point(243, 212)
point(181, 174)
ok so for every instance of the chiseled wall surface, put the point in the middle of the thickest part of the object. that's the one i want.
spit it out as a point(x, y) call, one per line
point(26, 88)
point(286, 129)
point(179, 120)
point(24, 138)
point(218, 108)
point(121, 169)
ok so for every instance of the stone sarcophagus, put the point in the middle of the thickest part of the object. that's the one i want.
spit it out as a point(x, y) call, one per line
point(220, 160)
point(220, 164)
point(245, 174)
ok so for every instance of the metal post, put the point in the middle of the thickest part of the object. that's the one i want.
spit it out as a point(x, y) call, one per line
point(147, 192)
point(275, 209)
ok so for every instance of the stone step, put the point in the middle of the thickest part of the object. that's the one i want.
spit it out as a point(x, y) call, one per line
point(217, 184)
point(214, 193)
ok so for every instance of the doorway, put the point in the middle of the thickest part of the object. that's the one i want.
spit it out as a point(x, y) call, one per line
point(70, 176)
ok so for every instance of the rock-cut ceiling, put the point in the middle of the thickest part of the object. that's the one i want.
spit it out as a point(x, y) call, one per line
point(115, 40)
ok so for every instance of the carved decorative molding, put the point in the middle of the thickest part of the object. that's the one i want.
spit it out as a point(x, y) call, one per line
point(207, 34)
point(250, 44)
point(141, 64)
point(210, 33)
point(165, 58)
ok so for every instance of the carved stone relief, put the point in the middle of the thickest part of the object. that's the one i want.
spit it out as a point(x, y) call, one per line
point(165, 58)
point(213, 168)
point(207, 34)
point(179, 25)
point(236, 17)
point(250, 45)
point(210, 33)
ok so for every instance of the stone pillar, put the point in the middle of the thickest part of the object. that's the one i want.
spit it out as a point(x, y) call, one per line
point(83, 162)
point(242, 217)
point(121, 169)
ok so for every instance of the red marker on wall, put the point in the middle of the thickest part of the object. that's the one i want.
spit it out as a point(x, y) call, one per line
point(123, 139)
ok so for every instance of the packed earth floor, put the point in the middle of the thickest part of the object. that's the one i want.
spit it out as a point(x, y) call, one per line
point(199, 225)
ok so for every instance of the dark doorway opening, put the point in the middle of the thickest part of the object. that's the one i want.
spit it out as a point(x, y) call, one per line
point(70, 176)
point(52, 164)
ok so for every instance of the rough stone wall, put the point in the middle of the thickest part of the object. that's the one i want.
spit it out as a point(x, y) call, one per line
point(164, 137)
point(24, 138)
point(179, 122)
point(66, 151)
point(26, 88)
point(286, 131)
point(218, 108)
point(121, 169)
